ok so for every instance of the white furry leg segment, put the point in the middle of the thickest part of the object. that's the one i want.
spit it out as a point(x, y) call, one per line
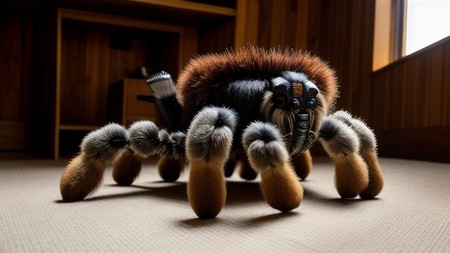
point(368, 151)
point(84, 173)
point(342, 145)
point(268, 155)
point(146, 139)
point(208, 144)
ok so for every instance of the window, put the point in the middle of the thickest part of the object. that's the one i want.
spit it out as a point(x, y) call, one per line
point(427, 21)
point(403, 27)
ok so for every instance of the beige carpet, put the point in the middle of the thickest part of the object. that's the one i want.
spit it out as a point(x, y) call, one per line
point(412, 214)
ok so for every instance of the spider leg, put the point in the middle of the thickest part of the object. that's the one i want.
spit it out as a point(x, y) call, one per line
point(147, 139)
point(238, 159)
point(342, 145)
point(268, 156)
point(127, 168)
point(368, 151)
point(208, 145)
point(170, 169)
point(245, 169)
point(302, 163)
point(83, 175)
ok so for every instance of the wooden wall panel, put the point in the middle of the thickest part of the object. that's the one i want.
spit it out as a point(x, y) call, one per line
point(412, 121)
point(272, 23)
point(445, 111)
point(415, 91)
point(341, 33)
point(15, 77)
point(406, 103)
point(10, 66)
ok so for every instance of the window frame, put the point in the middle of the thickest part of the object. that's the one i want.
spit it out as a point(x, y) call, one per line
point(389, 32)
point(389, 42)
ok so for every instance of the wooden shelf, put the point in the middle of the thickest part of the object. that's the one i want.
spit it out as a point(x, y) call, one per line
point(78, 127)
point(180, 11)
point(190, 6)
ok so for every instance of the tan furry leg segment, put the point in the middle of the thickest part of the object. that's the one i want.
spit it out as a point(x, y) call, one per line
point(127, 168)
point(84, 173)
point(268, 155)
point(81, 177)
point(206, 188)
point(302, 163)
point(170, 169)
point(245, 170)
point(280, 188)
point(351, 175)
point(208, 146)
point(376, 180)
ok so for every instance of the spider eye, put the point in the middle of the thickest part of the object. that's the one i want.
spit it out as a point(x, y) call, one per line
point(280, 101)
point(311, 103)
point(295, 104)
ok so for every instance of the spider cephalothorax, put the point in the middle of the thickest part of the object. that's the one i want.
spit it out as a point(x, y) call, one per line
point(291, 104)
point(260, 108)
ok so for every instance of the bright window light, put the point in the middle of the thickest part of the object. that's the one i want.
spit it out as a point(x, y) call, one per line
point(427, 21)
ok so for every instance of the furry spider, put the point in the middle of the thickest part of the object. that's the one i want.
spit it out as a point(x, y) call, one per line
point(251, 109)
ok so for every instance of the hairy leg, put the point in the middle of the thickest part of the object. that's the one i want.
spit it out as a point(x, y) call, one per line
point(81, 177)
point(351, 175)
point(170, 169)
point(127, 168)
point(342, 145)
point(368, 152)
point(208, 146)
point(245, 169)
point(302, 163)
point(84, 173)
point(238, 159)
point(147, 139)
point(268, 155)
point(376, 180)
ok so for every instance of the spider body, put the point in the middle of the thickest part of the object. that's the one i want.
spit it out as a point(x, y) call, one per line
point(253, 109)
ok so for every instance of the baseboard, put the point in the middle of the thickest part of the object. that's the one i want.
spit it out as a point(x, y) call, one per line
point(431, 144)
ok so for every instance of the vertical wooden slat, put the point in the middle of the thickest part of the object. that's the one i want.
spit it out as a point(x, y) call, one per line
point(247, 17)
point(436, 85)
point(188, 46)
point(445, 112)
point(301, 38)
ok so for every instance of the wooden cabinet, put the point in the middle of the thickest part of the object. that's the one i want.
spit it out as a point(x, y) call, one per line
point(84, 53)
point(126, 108)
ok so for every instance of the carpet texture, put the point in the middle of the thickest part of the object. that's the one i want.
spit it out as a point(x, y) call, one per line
point(412, 214)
